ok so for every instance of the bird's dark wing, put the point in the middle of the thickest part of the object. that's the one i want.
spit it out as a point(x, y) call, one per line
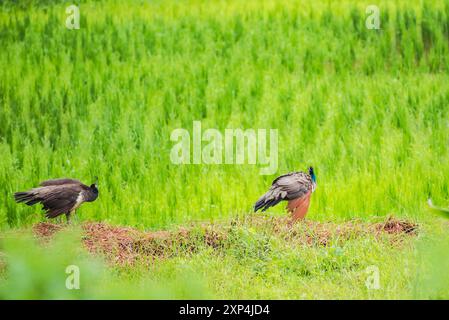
point(60, 199)
point(56, 199)
point(287, 187)
point(293, 185)
point(58, 182)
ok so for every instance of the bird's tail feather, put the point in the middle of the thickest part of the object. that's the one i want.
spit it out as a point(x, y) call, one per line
point(271, 203)
point(266, 201)
point(259, 204)
point(29, 198)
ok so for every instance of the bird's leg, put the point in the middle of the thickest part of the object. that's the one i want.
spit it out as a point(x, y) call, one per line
point(67, 215)
point(59, 219)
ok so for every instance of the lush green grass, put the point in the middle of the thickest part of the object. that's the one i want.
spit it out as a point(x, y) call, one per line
point(254, 263)
point(369, 109)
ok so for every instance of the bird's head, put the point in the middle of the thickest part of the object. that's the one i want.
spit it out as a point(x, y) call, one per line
point(312, 174)
point(94, 186)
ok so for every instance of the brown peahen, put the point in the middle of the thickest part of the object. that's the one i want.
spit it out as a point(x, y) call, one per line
point(294, 187)
point(59, 196)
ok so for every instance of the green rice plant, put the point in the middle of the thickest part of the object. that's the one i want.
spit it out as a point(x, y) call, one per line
point(367, 108)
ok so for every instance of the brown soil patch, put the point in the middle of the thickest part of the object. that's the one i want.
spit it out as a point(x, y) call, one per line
point(46, 229)
point(125, 245)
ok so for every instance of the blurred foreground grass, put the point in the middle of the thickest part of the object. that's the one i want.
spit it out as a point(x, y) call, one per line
point(256, 265)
